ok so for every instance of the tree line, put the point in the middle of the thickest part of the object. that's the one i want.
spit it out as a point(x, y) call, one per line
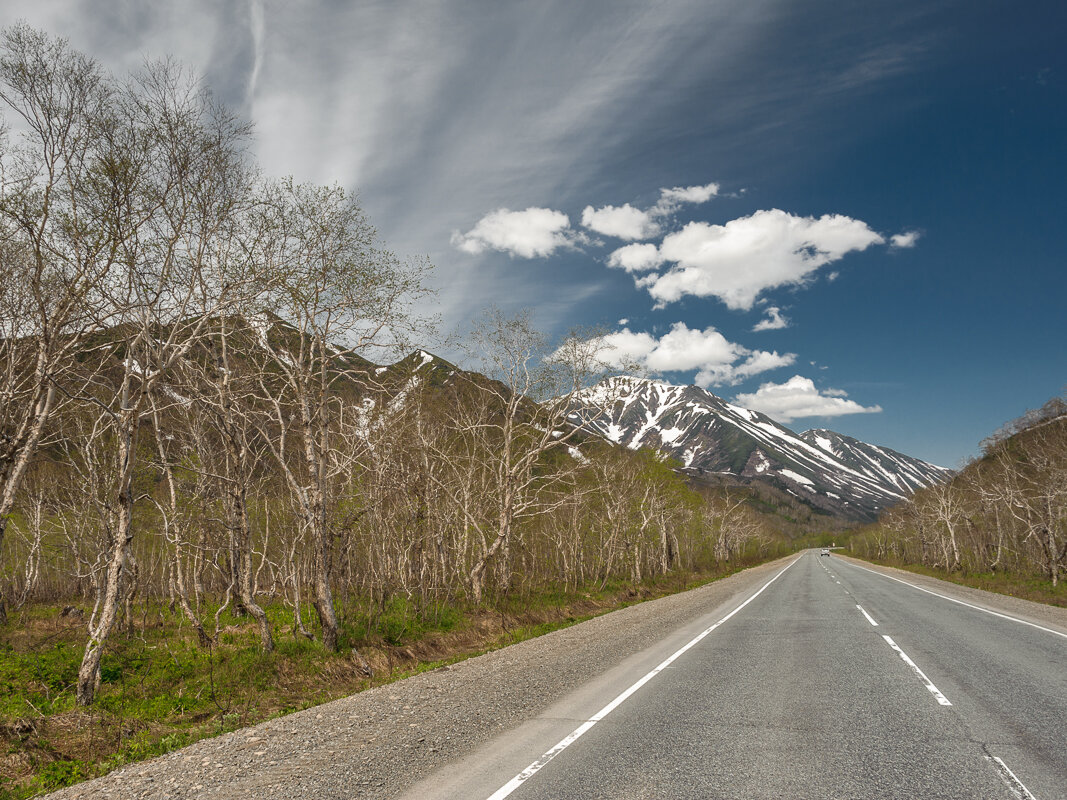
point(191, 411)
point(1005, 511)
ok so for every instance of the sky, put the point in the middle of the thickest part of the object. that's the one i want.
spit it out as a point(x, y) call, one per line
point(846, 215)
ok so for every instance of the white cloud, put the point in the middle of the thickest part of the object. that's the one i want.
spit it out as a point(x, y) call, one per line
point(739, 260)
point(772, 322)
point(671, 198)
point(798, 397)
point(905, 239)
point(682, 349)
point(539, 232)
point(762, 361)
point(530, 233)
point(636, 258)
point(629, 223)
point(624, 222)
point(715, 359)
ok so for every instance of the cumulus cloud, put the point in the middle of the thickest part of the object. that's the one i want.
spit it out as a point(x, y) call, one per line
point(798, 397)
point(629, 223)
point(762, 361)
point(540, 232)
point(905, 239)
point(715, 359)
point(774, 321)
point(738, 261)
point(623, 222)
point(636, 258)
point(529, 234)
point(671, 198)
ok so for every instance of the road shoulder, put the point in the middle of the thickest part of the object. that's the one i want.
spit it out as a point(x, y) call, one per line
point(1037, 613)
point(380, 742)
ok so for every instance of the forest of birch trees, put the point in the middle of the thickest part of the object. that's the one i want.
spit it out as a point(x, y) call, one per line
point(192, 413)
point(1004, 512)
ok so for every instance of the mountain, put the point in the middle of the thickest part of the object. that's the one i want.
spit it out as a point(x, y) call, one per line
point(830, 472)
point(716, 441)
point(895, 470)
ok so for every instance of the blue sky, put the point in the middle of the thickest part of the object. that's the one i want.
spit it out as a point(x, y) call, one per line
point(801, 138)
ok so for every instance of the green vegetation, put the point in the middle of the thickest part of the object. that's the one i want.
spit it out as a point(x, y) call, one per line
point(161, 691)
point(1027, 587)
point(1000, 524)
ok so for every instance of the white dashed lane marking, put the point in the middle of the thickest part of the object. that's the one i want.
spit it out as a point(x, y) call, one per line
point(922, 675)
point(870, 619)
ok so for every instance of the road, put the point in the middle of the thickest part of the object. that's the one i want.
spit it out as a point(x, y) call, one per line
point(830, 681)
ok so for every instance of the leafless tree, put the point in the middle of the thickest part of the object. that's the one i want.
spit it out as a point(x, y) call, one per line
point(336, 295)
point(224, 396)
point(182, 172)
point(60, 232)
point(1032, 485)
point(945, 508)
point(507, 426)
point(177, 522)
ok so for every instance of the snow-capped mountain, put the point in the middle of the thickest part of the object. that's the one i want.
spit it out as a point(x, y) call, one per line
point(831, 472)
point(895, 469)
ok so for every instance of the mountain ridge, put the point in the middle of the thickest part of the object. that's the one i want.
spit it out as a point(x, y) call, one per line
point(834, 473)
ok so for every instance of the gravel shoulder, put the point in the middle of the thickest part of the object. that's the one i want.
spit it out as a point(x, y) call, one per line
point(382, 741)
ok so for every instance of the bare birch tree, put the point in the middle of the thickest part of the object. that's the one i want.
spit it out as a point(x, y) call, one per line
point(176, 164)
point(337, 294)
point(507, 427)
point(59, 235)
point(1032, 486)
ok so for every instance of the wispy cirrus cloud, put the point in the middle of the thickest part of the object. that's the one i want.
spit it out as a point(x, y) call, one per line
point(380, 96)
point(799, 397)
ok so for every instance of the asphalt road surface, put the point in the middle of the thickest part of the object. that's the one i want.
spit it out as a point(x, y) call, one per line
point(830, 681)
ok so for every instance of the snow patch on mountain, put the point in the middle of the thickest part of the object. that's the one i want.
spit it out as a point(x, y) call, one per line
point(709, 434)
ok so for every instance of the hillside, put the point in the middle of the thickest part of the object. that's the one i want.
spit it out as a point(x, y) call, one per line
point(1002, 517)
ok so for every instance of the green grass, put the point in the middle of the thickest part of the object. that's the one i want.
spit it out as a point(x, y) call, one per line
point(160, 691)
point(1026, 587)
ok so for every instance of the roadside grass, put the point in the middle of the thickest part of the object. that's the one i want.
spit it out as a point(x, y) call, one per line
point(161, 691)
point(1025, 587)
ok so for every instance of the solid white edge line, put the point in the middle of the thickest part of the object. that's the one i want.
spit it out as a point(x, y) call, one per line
point(578, 732)
point(1017, 787)
point(870, 619)
point(962, 603)
point(929, 683)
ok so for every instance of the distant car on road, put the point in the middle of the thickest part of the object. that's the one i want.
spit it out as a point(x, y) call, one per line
point(825, 552)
